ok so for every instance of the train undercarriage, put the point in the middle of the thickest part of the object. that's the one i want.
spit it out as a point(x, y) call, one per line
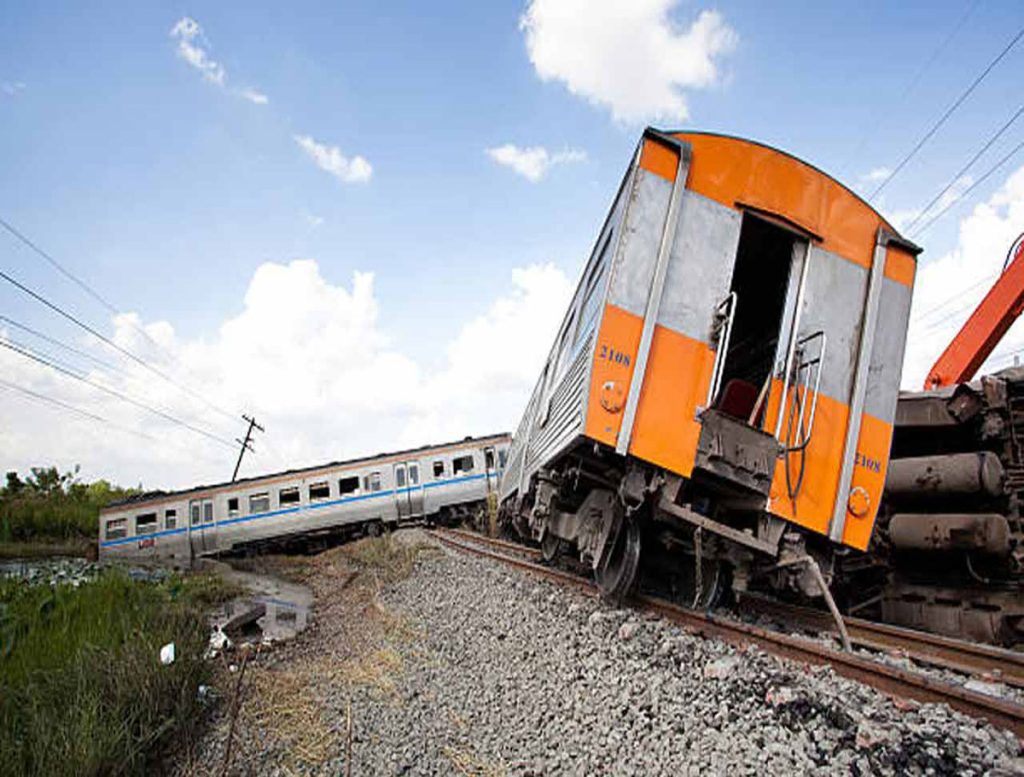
point(704, 538)
point(946, 555)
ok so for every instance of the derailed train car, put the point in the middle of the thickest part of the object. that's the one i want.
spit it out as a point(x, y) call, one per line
point(725, 379)
point(443, 483)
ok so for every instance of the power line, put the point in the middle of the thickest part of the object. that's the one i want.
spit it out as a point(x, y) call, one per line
point(61, 312)
point(60, 344)
point(957, 176)
point(110, 307)
point(123, 397)
point(953, 298)
point(871, 127)
point(949, 112)
point(66, 406)
point(924, 227)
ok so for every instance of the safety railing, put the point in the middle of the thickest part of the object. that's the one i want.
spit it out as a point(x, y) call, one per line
point(721, 332)
point(806, 385)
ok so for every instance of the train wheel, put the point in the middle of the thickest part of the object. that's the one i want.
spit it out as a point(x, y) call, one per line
point(550, 547)
point(703, 591)
point(617, 571)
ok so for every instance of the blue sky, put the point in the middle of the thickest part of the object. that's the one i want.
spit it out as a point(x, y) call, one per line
point(167, 191)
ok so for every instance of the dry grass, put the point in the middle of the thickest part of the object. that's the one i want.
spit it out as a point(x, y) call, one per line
point(385, 559)
point(292, 705)
point(469, 764)
point(285, 705)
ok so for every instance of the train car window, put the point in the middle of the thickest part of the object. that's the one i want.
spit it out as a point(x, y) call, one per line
point(170, 519)
point(595, 282)
point(438, 470)
point(462, 464)
point(372, 481)
point(116, 528)
point(259, 503)
point(288, 496)
point(207, 511)
point(194, 512)
point(502, 458)
point(233, 506)
point(489, 458)
point(319, 491)
point(348, 485)
point(145, 523)
point(399, 477)
point(414, 474)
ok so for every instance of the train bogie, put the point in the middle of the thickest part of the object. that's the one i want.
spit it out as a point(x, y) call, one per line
point(342, 499)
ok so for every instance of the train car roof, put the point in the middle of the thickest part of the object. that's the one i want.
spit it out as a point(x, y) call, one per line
point(684, 134)
point(164, 495)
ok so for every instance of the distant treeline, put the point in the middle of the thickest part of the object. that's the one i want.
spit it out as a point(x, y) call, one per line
point(50, 505)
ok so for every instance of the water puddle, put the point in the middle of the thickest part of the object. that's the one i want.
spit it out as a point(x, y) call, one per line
point(271, 611)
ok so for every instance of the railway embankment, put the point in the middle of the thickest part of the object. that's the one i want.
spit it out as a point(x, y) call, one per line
point(425, 661)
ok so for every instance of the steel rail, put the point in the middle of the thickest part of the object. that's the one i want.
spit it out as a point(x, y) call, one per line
point(934, 649)
point(890, 680)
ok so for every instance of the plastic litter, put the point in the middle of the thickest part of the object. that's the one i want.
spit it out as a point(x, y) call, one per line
point(167, 654)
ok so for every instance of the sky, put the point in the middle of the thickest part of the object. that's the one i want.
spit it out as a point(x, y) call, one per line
point(362, 222)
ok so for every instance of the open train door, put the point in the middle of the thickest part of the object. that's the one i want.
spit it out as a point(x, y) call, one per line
point(408, 490)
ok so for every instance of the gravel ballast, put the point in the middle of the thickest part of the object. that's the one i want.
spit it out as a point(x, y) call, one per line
point(481, 669)
point(521, 676)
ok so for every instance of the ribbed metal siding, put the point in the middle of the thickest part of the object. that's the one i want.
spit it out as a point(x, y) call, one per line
point(565, 418)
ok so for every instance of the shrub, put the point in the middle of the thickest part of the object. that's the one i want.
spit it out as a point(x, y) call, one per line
point(82, 689)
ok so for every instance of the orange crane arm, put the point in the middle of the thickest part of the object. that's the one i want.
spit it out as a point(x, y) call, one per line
point(984, 329)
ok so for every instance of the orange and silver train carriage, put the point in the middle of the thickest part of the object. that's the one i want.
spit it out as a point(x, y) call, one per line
point(725, 379)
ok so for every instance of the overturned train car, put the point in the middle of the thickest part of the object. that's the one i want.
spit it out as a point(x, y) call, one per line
point(725, 380)
point(445, 483)
point(951, 536)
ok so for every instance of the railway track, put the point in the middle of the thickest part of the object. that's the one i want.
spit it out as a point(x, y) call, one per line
point(895, 681)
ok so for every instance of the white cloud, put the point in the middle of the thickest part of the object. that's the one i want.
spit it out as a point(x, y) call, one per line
point(330, 158)
point(948, 288)
point(12, 88)
point(192, 47)
point(876, 175)
point(254, 96)
point(910, 219)
point(313, 361)
point(630, 56)
point(534, 162)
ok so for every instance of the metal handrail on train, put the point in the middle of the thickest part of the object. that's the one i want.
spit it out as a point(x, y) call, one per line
point(805, 366)
point(725, 313)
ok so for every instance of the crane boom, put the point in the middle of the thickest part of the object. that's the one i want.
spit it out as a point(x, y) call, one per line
point(985, 328)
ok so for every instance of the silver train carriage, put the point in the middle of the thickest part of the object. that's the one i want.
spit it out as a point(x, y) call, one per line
point(438, 483)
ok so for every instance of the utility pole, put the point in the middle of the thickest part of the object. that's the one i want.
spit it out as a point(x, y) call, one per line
point(246, 443)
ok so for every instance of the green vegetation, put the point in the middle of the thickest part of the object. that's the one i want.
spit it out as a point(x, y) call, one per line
point(50, 507)
point(82, 688)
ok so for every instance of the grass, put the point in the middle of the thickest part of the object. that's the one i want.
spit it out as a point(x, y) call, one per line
point(82, 689)
point(385, 558)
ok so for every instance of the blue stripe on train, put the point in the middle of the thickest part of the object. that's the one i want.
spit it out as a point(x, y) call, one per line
point(288, 510)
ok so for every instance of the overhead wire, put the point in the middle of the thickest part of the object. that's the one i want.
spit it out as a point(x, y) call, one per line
point(61, 344)
point(106, 340)
point(988, 173)
point(945, 116)
point(955, 297)
point(871, 126)
point(960, 173)
point(24, 239)
point(114, 393)
point(74, 409)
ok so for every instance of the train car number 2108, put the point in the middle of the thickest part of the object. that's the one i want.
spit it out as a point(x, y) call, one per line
point(610, 354)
